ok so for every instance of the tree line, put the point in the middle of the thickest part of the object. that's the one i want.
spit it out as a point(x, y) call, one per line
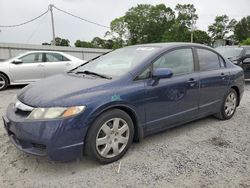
point(147, 23)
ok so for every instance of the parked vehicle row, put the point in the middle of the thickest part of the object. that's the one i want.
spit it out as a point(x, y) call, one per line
point(239, 55)
point(99, 108)
point(35, 65)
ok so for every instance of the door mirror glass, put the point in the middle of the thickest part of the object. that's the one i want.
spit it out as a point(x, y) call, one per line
point(17, 61)
point(162, 73)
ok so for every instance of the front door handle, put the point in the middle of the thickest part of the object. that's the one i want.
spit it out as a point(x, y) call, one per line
point(192, 82)
point(40, 65)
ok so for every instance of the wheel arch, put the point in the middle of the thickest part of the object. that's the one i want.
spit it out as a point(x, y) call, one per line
point(238, 94)
point(138, 130)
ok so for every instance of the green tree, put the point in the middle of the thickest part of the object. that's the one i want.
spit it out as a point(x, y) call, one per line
point(201, 37)
point(119, 32)
point(177, 33)
point(83, 44)
point(180, 31)
point(221, 27)
point(61, 42)
point(147, 23)
point(242, 29)
point(97, 42)
point(186, 15)
point(245, 42)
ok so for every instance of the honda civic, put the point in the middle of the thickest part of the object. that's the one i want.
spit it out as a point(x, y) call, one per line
point(102, 106)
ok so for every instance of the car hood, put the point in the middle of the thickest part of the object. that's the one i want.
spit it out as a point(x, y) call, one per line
point(63, 90)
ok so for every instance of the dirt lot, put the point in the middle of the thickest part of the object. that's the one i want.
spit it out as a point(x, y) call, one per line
point(205, 153)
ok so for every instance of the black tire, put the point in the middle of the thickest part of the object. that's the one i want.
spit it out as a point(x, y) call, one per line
point(3, 81)
point(222, 115)
point(91, 148)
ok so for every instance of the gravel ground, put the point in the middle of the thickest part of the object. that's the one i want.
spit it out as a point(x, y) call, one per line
point(204, 153)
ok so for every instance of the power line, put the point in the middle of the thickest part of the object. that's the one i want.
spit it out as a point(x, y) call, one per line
point(81, 18)
point(38, 26)
point(17, 25)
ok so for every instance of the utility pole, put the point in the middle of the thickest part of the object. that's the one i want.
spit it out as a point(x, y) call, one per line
point(52, 23)
point(192, 29)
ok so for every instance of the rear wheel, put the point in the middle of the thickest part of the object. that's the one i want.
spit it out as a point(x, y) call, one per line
point(229, 105)
point(110, 136)
point(3, 81)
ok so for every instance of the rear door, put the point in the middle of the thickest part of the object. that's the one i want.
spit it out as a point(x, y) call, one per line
point(55, 64)
point(246, 63)
point(214, 78)
point(31, 69)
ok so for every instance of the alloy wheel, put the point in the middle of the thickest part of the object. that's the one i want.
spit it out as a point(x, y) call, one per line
point(230, 104)
point(112, 137)
point(2, 82)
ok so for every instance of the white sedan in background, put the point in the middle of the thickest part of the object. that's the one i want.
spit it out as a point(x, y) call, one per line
point(35, 65)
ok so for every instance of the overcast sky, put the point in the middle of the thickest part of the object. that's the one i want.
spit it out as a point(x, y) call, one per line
point(100, 11)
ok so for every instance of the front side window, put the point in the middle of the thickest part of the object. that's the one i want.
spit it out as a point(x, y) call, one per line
point(208, 60)
point(32, 58)
point(54, 57)
point(179, 61)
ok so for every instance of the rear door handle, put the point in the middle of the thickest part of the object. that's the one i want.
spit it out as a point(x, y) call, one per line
point(223, 76)
point(68, 64)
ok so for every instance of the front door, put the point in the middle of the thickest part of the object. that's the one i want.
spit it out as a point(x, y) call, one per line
point(31, 69)
point(173, 100)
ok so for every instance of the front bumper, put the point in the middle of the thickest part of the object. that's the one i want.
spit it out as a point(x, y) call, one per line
point(59, 139)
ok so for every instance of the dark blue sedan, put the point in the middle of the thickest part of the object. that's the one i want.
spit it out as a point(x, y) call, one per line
point(100, 107)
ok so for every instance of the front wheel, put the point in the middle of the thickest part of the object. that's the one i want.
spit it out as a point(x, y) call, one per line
point(110, 136)
point(3, 82)
point(229, 105)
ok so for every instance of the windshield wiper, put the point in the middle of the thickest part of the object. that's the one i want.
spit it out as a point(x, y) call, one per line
point(72, 70)
point(93, 73)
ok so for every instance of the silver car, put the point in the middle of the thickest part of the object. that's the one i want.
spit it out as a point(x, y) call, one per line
point(35, 65)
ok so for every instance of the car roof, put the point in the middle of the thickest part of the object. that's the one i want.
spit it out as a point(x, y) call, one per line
point(171, 44)
point(44, 51)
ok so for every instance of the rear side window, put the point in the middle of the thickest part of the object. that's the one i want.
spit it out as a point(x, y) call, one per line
point(179, 61)
point(54, 57)
point(208, 60)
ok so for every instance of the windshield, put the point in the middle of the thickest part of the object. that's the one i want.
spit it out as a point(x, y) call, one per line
point(118, 62)
point(229, 52)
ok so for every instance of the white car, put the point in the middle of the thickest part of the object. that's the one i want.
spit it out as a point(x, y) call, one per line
point(35, 65)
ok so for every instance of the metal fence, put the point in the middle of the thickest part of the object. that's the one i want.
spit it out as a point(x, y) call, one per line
point(9, 50)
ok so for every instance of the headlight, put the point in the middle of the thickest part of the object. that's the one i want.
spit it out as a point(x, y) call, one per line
point(57, 112)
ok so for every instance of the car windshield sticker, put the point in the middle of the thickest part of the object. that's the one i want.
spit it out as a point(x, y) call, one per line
point(145, 48)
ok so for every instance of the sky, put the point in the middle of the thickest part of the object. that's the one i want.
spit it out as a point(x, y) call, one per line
point(100, 11)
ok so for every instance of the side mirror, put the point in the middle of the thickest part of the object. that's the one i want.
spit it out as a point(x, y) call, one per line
point(17, 61)
point(160, 73)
